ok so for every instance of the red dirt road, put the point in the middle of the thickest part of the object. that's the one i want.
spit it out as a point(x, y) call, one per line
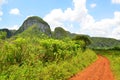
point(99, 70)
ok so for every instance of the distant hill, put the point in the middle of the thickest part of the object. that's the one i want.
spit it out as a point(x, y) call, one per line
point(104, 43)
point(35, 20)
point(36, 26)
point(60, 33)
point(9, 32)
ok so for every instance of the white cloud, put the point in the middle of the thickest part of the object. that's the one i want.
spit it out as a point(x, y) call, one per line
point(116, 1)
point(14, 27)
point(2, 2)
point(93, 5)
point(116, 33)
point(15, 11)
point(108, 27)
point(57, 16)
point(105, 27)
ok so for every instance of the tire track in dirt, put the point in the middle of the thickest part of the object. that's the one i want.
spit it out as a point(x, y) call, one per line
point(99, 70)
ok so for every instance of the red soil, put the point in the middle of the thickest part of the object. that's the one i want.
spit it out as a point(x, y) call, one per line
point(99, 70)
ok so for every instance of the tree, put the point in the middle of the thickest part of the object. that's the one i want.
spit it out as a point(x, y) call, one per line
point(86, 39)
point(3, 35)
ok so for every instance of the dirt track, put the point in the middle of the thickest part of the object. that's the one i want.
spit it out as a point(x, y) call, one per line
point(99, 70)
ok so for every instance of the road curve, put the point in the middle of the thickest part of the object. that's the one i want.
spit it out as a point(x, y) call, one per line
point(99, 70)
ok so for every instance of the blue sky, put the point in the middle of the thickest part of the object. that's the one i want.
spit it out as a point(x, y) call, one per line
point(92, 17)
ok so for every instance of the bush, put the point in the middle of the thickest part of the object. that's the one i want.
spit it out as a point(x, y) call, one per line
point(3, 35)
point(86, 40)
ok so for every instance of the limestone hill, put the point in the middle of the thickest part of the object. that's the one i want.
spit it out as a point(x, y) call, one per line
point(39, 22)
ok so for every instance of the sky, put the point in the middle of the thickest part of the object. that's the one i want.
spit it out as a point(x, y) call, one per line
point(99, 18)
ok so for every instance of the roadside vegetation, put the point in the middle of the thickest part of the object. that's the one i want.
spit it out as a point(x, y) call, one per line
point(32, 55)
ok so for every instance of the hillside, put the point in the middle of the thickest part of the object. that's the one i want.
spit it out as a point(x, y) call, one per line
point(32, 31)
point(37, 26)
point(9, 33)
point(42, 27)
point(39, 22)
point(104, 43)
point(60, 33)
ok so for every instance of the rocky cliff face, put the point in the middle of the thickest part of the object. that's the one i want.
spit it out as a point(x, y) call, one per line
point(41, 24)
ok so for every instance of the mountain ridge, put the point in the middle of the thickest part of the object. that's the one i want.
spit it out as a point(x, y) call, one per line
point(59, 33)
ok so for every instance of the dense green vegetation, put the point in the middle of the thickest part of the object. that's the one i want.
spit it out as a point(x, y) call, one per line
point(3, 35)
point(114, 57)
point(86, 39)
point(9, 33)
point(32, 55)
point(32, 31)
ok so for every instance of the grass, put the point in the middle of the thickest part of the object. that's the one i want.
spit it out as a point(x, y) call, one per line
point(114, 57)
